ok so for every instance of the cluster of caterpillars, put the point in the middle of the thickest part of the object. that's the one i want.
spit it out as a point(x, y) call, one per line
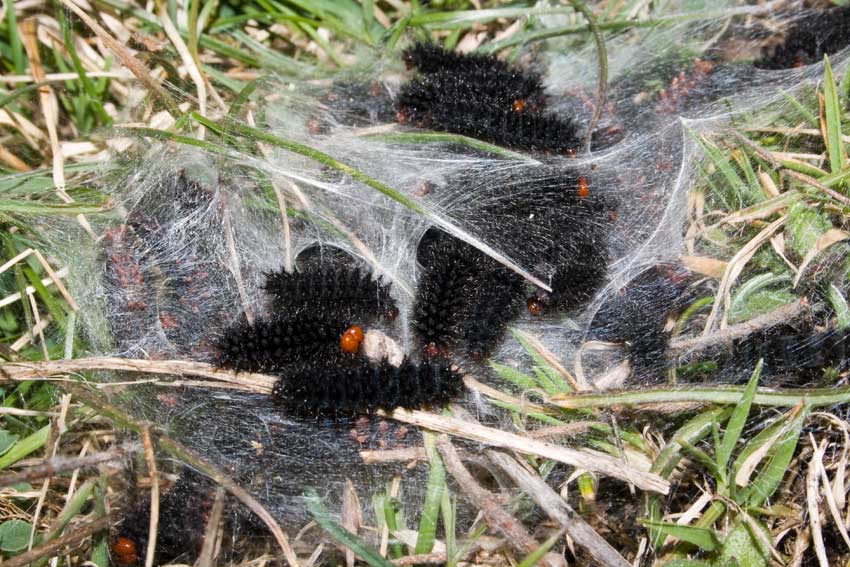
point(464, 298)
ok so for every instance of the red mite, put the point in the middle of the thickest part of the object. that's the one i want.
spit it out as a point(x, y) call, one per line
point(519, 105)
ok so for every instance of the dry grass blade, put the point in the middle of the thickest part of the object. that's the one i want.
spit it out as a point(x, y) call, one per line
point(557, 509)
point(135, 66)
point(351, 516)
point(733, 270)
point(587, 460)
point(212, 532)
point(485, 501)
point(784, 314)
point(61, 464)
point(261, 383)
point(57, 426)
point(812, 504)
point(579, 384)
point(153, 526)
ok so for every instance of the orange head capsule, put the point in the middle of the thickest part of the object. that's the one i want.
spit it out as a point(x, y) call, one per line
point(519, 105)
point(356, 331)
point(124, 550)
point(583, 187)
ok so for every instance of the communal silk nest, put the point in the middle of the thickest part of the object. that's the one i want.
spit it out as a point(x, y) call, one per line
point(259, 258)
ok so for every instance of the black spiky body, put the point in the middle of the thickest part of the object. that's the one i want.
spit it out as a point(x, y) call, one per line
point(450, 270)
point(507, 91)
point(272, 345)
point(340, 391)
point(481, 97)
point(346, 289)
point(475, 116)
point(557, 222)
point(788, 350)
point(498, 301)
point(430, 58)
point(637, 313)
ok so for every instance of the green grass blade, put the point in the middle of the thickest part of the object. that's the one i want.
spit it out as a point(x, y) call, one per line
point(532, 558)
point(441, 137)
point(771, 475)
point(322, 517)
point(24, 447)
point(736, 423)
point(519, 379)
point(839, 305)
point(703, 538)
point(433, 497)
point(448, 507)
point(837, 152)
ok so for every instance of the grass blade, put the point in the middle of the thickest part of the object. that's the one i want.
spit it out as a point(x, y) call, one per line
point(832, 111)
point(703, 538)
point(433, 497)
point(322, 517)
point(736, 423)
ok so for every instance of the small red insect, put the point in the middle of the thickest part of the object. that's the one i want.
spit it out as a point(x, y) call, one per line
point(125, 551)
point(519, 105)
point(351, 339)
point(535, 306)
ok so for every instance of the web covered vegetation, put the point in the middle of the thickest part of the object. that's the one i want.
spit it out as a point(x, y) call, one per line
point(468, 308)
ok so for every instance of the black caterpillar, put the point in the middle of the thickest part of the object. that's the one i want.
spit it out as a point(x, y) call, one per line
point(464, 297)
point(271, 345)
point(809, 39)
point(637, 314)
point(350, 290)
point(340, 390)
point(481, 97)
point(557, 222)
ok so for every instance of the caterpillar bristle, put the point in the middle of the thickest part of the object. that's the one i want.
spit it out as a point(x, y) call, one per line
point(340, 391)
point(271, 345)
point(499, 91)
point(349, 290)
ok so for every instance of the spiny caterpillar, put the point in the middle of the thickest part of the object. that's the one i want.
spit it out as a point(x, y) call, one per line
point(312, 347)
point(637, 314)
point(481, 97)
point(362, 388)
point(270, 345)
point(463, 298)
point(557, 222)
point(349, 290)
